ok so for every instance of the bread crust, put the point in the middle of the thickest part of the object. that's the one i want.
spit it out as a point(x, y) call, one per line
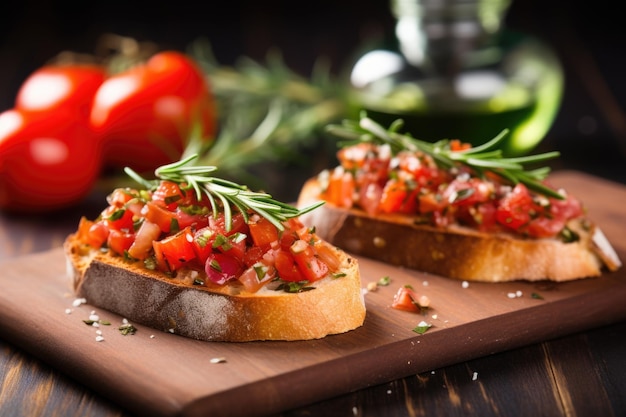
point(455, 252)
point(217, 313)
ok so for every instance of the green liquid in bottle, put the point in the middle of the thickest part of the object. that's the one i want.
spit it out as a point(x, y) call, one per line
point(467, 87)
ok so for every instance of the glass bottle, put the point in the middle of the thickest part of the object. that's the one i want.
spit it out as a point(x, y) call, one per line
point(458, 73)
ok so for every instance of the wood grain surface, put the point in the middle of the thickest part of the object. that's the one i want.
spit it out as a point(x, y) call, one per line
point(170, 375)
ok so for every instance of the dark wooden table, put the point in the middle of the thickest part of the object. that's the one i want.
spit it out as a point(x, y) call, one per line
point(583, 374)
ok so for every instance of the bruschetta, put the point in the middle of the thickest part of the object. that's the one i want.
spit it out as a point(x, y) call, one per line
point(205, 258)
point(451, 209)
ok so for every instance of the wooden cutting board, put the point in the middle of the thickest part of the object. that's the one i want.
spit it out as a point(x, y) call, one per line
point(161, 374)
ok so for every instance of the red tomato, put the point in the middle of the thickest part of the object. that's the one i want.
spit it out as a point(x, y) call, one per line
point(174, 251)
point(340, 189)
point(120, 241)
point(287, 267)
point(142, 245)
point(263, 232)
point(203, 243)
point(147, 113)
point(70, 86)
point(310, 266)
point(159, 215)
point(398, 197)
point(92, 233)
point(515, 208)
point(405, 299)
point(46, 161)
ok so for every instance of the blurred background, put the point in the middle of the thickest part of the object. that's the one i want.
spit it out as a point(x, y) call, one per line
point(588, 37)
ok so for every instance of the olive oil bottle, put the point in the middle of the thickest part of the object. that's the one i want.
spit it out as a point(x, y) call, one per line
point(458, 73)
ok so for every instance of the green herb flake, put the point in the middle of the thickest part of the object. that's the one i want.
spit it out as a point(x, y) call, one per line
point(294, 287)
point(422, 327)
point(215, 265)
point(90, 322)
point(117, 214)
point(384, 281)
point(261, 271)
point(127, 328)
point(536, 296)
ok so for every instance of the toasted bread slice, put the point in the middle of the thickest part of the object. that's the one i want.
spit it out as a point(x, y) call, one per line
point(216, 312)
point(459, 252)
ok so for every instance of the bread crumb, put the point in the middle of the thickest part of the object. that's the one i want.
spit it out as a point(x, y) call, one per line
point(77, 302)
point(218, 360)
point(424, 301)
point(372, 286)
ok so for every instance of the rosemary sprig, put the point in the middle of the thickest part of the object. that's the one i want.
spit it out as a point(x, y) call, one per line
point(223, 194)
point(484, 158)
point(268, 113)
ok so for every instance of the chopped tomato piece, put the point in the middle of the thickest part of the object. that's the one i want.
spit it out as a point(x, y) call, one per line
point(310, 266)
point(94, 234)
point(142, 245)
point(219, 224)
point(169, 195)
point(340, 188)
point(191, 216)
point(203, 243)
point(287, 267)
point(263, 232)
point(398, 197)
point(160, 216)
point(234, 244)
point(516, 208)
point(174, 251)
point(118, 218)
point(119, 241)
point(406, 299)
point(328, 255)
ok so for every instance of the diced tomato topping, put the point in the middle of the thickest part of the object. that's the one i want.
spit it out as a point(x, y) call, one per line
point(311, 267)
point(398, 197)
point(169, 195)
point(161, 216)
point(238, 224)
point(118, 218)
point(203, 243)
point(263, 232)
point(120, 196)
point(515, 208)
point(174, 251)
point(191, 216)
point(328, 255)
point(287, 267)
point(142, 244)
point(234, 244)
point(341, 187)
point(119, 241)
point(94, 234)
